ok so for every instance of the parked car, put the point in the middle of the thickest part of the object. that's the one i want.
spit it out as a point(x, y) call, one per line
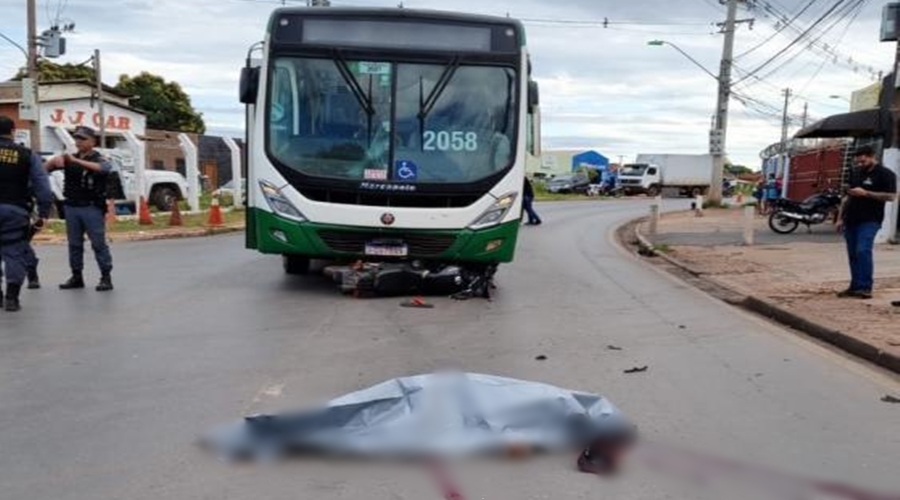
point(569, 184)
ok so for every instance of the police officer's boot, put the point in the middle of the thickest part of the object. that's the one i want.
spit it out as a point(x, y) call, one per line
point(33, 281)
point(75, 282)
point(12, 298)
point(105, 284)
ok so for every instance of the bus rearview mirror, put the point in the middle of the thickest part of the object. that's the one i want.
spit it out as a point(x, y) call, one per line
point(249, 85)
point(534, 96)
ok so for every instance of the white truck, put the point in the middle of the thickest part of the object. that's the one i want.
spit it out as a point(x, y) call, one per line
point(691, 175)
point(162, 188)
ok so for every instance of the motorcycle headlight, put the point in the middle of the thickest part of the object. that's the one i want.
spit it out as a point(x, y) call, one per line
point(496, 213)
point(278, 202)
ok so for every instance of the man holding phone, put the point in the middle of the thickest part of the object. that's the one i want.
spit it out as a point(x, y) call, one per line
point(861, 215)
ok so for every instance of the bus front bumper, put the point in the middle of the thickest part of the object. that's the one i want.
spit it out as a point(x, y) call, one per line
point(271, 234)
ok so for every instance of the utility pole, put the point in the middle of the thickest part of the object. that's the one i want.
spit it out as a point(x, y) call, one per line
point(785, 124)
point(805, 114)
point(720, 132)
point(33, 74)
point(100, 104)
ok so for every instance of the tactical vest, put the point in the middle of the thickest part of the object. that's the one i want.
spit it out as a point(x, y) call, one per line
point(81, 186)
point(15, 174)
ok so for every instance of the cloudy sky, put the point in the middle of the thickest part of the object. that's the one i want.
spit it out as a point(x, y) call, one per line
point(602, 88)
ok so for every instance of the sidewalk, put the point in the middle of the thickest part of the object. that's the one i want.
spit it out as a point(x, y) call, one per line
point(799, 273)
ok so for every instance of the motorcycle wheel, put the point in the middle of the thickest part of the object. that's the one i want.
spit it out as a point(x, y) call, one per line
point(781, 224)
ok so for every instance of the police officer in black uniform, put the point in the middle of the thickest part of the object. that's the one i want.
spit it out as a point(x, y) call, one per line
point(21, 174)
point(84, 189)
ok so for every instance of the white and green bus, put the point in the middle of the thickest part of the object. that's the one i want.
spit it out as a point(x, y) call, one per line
point(388, 134)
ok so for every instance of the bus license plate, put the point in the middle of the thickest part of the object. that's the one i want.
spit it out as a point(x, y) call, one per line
point(387, 250)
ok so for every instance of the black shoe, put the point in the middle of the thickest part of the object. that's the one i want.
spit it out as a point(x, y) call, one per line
point(34, 283)
point(11, 304)
point(863, 294)
point(846, 294)
point(76, 282)
point(105, 284)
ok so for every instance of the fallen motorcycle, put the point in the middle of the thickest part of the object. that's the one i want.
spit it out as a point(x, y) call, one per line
point(787, 215)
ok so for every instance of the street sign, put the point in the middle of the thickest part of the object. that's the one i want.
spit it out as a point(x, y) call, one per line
point(716, 147)
point(28, 109)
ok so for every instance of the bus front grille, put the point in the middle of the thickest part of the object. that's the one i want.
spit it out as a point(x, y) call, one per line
point(419, 245)
point(374, 199)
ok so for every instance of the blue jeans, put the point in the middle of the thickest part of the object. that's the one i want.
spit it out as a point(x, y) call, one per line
point(90, 221)
point(527, 205)
point(860, 249)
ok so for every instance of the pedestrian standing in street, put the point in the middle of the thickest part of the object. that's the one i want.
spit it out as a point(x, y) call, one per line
point(860, 218)
point(84, 189)
point(21, 174)
point(527, 204)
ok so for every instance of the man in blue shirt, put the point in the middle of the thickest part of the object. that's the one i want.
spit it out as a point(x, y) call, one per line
point(21, 176)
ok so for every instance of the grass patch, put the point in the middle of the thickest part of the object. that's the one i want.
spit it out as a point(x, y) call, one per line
point(663, 248)
point(160, 222)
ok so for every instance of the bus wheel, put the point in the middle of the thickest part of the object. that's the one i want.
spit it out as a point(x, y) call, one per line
point(296, 265)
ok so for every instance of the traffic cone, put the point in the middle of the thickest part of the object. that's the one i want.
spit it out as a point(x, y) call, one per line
point(144, 217)
point(110, 213)
point(215, 213)
point(175, 218)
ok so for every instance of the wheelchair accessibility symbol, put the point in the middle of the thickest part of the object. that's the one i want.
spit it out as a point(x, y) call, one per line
point(407, 170)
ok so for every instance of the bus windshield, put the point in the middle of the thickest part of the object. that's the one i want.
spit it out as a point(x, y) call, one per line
point(400, 122)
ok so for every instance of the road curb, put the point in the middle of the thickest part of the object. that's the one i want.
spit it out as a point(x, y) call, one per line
point(777, 313)
point(151, 235)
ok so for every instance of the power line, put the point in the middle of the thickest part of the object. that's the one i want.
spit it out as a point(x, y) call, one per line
point(826, 51)
point(857, 5)
point(797, 40)
point(778, 31)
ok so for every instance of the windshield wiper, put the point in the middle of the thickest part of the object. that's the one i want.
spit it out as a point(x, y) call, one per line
point(364, 100)
point(426, 105)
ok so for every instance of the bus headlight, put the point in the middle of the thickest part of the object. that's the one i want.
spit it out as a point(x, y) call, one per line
point(278, 202)
point(496, 213)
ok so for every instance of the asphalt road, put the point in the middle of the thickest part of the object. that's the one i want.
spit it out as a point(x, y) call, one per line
point(101, 395)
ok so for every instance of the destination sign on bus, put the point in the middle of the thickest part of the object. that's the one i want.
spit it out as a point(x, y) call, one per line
point(396, 34)
point(400, 35)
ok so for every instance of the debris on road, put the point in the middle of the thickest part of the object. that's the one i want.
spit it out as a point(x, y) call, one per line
point(640, 369)
point(371, 279)
point(541, 358)
point(417, 302)
point(435, 416)
point(614, 348)
point(891, 399)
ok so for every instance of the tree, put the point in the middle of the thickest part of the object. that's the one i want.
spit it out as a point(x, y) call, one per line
point(51, 72)
point(166, 105)
point(737, 169)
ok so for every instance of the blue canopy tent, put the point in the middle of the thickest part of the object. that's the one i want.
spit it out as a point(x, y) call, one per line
point(593, 160)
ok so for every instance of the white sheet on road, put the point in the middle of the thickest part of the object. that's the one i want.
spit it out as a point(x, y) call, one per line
point(444, 415)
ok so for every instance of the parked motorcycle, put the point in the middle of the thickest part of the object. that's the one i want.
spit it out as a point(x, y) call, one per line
point(787, 215)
